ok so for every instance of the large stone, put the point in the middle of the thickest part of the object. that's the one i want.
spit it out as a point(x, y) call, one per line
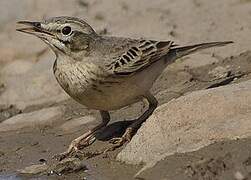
point(191, 122)
point(78, 123)
point(43, 117)
point(28, 84)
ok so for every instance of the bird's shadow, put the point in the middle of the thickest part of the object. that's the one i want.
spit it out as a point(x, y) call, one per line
point(113, 130)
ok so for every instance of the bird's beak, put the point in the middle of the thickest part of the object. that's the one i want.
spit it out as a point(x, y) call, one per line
point(34, 28)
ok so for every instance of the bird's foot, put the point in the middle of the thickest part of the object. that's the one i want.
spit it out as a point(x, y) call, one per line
point(67, 154)
point(120, 141)
point(75, 146)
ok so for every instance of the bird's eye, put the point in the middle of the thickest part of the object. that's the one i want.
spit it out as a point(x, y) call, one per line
point(66, 30)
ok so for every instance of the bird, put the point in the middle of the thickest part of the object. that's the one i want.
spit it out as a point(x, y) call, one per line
point(106, 73)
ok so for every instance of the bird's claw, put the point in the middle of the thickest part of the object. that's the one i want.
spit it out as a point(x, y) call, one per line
point(115, 140)
point(61, 156)
point(73, 149)
point(127, 136)
point(119, 141)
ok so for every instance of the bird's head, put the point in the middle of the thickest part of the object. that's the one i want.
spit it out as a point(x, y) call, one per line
point(65, 35)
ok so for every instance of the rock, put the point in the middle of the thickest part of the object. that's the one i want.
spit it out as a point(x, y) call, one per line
point(2, 87)
point(2, 153)
point(34, 169)
point(220, 72)
point(191, 122)
point(36, 118)
point(239, 176)
point(195, 61)
point(75, 124)
point(16, 68)
point(217, 161)
point(208, 167)
point(65, 166)
point(8, 111)
point(28, 84)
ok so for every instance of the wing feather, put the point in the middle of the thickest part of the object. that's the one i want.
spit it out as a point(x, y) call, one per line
point(140, 55)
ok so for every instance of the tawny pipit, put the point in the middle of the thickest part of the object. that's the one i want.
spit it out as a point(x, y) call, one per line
point(106, 73)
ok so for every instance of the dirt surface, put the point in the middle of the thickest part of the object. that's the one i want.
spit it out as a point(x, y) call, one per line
point(20, 150)
point(27, 85)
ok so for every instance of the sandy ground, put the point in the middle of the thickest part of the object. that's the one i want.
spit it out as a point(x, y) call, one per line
point(183, 21)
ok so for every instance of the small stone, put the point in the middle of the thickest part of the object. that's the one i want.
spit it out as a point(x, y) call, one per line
point(34, 143)
point(7, 111)
point(68, 165)
point(34, 169)
point(247, 162)
point(239, 176)
point(42, 160)
point(220, 72)
point(2, 153)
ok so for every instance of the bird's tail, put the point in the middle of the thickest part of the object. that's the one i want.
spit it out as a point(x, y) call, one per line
point(178, 52)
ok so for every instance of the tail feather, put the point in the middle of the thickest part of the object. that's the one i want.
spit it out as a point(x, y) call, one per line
point(179, 52)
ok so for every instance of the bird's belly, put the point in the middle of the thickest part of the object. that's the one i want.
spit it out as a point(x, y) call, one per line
point(109, 98)
point(117, 95)
point(108, 93)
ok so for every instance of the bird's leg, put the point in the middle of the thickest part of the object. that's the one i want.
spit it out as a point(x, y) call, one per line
point(131, 130)
point(86, 139)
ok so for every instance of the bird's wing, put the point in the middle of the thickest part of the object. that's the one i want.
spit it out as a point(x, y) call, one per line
point(138, 56)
